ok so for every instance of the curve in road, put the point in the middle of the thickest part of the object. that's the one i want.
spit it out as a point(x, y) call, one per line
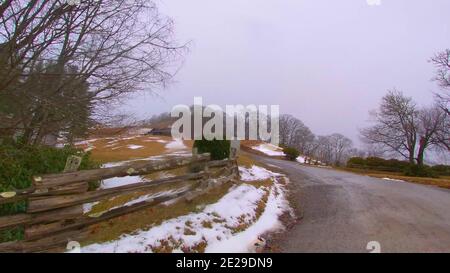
point(343, 212)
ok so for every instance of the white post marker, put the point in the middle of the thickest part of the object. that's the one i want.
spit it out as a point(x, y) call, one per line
point(235, 147)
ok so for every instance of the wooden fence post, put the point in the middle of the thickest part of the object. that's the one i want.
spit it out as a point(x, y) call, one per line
point(235, 147)
point(35, 231)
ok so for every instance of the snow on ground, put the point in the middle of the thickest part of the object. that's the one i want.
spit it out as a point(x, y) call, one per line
point(301, 159)
point(120, 181)
point(134, 147)
point(269, 149)
point(87, 207)
point(90, 148)
point(176, 144)
point(391, 179)
point(217, 224)
point(269, 221)
point(256, 173)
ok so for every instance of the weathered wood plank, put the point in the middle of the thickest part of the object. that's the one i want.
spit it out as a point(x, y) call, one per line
point(68, 189)
point(86, 220)
point(34, 192)
point(133, 168)
point(24, 194)
point(42, 217)
point(68, 213)
point(36, 231)
point(20, 195)
point(59, 240)
point(50, 203)
point(14, 220)
point(207, 187)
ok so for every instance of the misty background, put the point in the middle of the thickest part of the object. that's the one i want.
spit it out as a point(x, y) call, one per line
point(326, 62)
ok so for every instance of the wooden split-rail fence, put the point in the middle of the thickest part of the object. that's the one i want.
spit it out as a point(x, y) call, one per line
point(55, 214)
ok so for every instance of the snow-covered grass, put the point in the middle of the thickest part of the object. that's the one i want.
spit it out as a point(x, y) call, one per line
point(256, 173)
point(269, 149)
point(176, 144)
point(232, 224)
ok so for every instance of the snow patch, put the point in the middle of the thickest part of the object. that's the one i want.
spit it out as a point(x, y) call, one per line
point(301, 159)
point(134, 147)
point(176, 144)
point(120, 181)
point(256, 173)
point(269, 149)
point(391, 179)
point(87, 207)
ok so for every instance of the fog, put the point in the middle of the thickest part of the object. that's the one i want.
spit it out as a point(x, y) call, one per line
point(325, 62)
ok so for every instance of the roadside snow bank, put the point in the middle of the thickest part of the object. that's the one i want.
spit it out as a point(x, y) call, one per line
point(256, 173)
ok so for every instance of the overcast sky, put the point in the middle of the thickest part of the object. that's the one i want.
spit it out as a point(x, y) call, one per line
point(327, 62)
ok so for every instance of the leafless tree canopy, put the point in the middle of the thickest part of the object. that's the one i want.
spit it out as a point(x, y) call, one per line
point(334, 149)
point(442, 63)
point(404, 129)
point(294, 133)
point(395, 125)
point(111, 48)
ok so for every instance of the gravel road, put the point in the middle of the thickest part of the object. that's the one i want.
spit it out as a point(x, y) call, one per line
point(342, 212)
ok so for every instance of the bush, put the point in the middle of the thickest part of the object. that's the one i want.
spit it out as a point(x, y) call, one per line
point(219, 149)
point(378, 164)
point(291, 153)
point(419, 171)
point(19, 163)
point(441, 170)
point(356, 162)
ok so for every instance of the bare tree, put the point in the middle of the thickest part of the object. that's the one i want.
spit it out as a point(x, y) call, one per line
point(324, 149)
point(374, 150)
point(340, 147)
point(333, 149)
point(294, 133)
point(442, 63)
point(431, 122)
point(395, 127)
point(115, 47)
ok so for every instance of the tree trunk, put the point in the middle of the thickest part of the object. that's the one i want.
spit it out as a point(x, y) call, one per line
point(421, 152)
point(412, 159)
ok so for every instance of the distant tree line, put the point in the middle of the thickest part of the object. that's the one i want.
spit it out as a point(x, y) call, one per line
point(332, 149)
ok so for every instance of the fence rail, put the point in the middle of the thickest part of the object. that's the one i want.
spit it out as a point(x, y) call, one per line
point(55, 215)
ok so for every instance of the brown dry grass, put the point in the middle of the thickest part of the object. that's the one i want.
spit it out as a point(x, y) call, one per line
point(112, 149)
point(443, 182)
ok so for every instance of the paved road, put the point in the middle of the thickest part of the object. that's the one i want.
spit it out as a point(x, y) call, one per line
point(342, 212)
